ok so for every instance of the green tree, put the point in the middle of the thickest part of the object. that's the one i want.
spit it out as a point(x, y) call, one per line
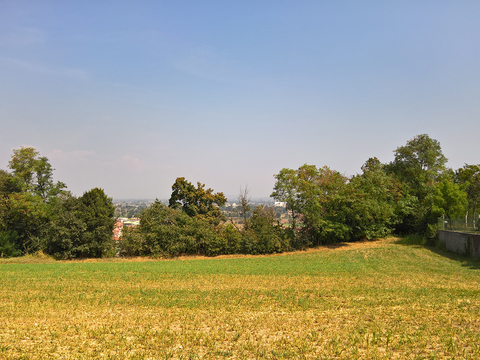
point(7, 184)
point(34, 174)
point(314, 196)
point(370, 202)
point(67, 229)
point(168, 232)
point(321, 195)
point(9, 242)
point(7, 187)
point(419, 166)
point(420, 163)
point(450, 200)
point(97, 211)
point(26, 199)
point(198, 201)
point(264, 235)
point(469, 176)
point(28, 216)
point(23, 217)
point(81, 227)
point(286, 189)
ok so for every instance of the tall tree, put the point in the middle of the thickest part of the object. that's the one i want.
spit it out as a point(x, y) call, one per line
point(34, 174)
point(24, 163)
point(370, 202)
point(244, 205)
point(286, 189)
point(7, 187)
point(82, 227)
point(419, 165)
point(97, 212)
point(7, 184)
point(197, 201)
point(450, 200)
point(27, 195)
point(67, 229)
point(28, 216)
point(264, 234)
point(469, 175)
point(314, 196)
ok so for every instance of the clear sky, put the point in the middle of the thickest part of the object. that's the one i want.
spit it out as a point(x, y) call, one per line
point(130, 95)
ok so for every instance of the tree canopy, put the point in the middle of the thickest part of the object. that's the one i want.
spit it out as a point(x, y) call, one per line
point(33, 173)
point(407, 195)
point(197, 201)
point(469, 176)
point(38, 214)
point(419, 166)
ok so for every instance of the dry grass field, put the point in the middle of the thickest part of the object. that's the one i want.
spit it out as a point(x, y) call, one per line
point(376, 300)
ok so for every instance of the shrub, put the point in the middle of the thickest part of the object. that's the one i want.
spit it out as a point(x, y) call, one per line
point(8, 239)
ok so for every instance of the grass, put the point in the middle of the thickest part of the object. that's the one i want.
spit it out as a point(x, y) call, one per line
point(377, 300)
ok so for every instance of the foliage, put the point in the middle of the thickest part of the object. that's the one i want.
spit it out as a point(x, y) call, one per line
point(370, 202)
point(97, 212)
point(7, 184)
point(413, 239)
point(27, 198)
point(66, 230)
point(419, 166)
point(8, 244)
point(28, 216)
point(450, 200)
point(469, 176)
point(332, 208)
point(405, 196)
point(321, 193)
point(198, 201)
point(170, 232)
point(286, 190)
point(264, 235)
point(233, 239)
point(420, 163)
point(37, 214)
point(34, 174)
point(82, 226)
point(132, 242)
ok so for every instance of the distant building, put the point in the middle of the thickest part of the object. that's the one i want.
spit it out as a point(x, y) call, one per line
point(117, 231)
point(120, 223)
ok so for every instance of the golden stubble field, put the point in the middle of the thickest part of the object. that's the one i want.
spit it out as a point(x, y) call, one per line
point(374, 300)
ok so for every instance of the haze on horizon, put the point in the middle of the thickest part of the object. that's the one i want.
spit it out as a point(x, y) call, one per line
point(130, 95)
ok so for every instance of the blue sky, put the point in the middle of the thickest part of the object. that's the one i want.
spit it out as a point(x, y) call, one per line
point(129, 95)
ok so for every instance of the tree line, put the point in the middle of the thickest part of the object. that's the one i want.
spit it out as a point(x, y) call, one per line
point(405, 196)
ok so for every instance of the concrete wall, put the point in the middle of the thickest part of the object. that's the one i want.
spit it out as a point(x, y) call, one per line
point(461, 243)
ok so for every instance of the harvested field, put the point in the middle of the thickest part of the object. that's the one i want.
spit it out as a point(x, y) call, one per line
point(376, 300)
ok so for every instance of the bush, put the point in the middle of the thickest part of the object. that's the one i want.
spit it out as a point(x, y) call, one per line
point(264, 235)
point(170, 232)
point(232, 238)
point(8, 239)
point(82, 227)
point(132, 242)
